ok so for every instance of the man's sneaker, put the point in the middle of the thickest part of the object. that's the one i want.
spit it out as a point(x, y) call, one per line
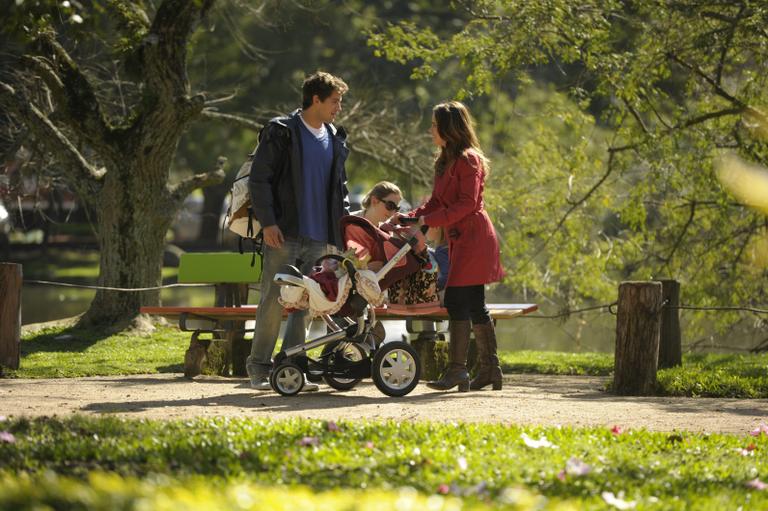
point(309, 386)
point(260, 383)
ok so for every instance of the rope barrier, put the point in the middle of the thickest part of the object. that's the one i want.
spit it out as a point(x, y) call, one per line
point(715, 308)
point(106, 288)
point(609, 306)
point(568, 313)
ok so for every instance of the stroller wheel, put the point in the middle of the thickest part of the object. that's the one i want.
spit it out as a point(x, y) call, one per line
point(287, 379)
point(348, 352)
point(395, 369)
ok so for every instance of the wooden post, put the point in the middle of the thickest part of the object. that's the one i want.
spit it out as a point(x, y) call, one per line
point(670, 347)
point(241, 347)
point(10, 314)
point(638, 326)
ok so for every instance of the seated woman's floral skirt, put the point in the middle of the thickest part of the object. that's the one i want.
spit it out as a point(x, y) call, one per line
point(418, 287)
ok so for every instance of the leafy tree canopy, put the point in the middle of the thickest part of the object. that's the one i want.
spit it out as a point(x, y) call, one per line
point(609, 122)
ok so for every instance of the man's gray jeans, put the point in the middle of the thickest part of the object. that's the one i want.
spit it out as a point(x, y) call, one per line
point(270, 312)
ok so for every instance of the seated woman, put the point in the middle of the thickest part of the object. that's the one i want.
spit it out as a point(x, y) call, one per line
point(364, 234)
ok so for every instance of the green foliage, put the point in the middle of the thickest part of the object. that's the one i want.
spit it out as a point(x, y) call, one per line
point(109, 492)
point(480, 463)
point(656, 92)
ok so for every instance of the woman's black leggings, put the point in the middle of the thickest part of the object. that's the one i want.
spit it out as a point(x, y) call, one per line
point(467, 302)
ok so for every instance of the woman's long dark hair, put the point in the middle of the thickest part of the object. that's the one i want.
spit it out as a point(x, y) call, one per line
point(456, 126)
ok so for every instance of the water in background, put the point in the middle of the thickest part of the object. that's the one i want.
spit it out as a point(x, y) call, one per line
point(590, 332)
point(586, 332)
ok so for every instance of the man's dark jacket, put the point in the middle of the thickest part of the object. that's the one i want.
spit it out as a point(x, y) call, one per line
point(276, 184)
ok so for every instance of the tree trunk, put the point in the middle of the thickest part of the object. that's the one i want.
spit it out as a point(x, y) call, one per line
point(214, 197)
point(638, 323)
point(134, 215)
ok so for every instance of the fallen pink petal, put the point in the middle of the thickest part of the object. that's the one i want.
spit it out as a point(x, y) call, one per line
point(617, 430)
point(309, 441)
point(757, 484)
point(576, 467)
point(443, 489)
point(369, 445)
point(762, 429)
point(7, 437)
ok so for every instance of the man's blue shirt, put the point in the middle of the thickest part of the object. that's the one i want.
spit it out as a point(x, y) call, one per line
point(317, 158)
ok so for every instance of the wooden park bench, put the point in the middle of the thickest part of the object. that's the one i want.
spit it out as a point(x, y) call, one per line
point(232, 272)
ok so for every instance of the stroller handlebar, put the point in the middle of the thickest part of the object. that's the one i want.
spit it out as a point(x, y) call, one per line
point(408, 220)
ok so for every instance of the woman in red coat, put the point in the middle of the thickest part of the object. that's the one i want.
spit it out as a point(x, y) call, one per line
point(456, 205)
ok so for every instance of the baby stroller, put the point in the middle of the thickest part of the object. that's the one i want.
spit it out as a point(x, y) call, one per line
point(350, 350)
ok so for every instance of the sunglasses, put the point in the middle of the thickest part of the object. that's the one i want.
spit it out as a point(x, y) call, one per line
point(391, 206)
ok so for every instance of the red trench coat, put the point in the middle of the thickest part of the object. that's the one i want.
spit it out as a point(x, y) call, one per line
point(456, 205)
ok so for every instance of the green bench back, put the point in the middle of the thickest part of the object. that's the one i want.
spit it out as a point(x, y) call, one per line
point(219, 268)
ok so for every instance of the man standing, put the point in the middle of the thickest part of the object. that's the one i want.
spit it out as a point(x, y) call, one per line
point(298, 193)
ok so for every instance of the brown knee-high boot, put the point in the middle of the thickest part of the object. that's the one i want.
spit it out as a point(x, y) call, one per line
point(456, 373)
point(489, 371)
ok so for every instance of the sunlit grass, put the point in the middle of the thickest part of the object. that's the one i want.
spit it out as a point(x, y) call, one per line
point(68, 353)
point(475, 462)
point(58, 352)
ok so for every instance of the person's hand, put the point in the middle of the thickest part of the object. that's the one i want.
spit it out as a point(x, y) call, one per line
point(422, 240)
point(273, 236)
point(400, 219)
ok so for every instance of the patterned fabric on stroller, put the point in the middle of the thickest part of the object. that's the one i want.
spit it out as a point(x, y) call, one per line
point(350, 349)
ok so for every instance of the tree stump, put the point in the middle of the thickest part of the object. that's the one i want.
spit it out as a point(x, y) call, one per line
point(638, 325)
point(10, 314)
point(670, 347)
point(433, 349)
point(433, 356)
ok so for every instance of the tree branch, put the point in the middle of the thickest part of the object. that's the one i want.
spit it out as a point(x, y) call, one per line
point(681, 235)
point(715, 86)
point(687, 124)
point(637, 117)
point(574, 205)
point(75, 96)
point(222, 99)
point(727, 45)
point(390, 163)
point(48, 134)
point(212, 115)
point(165, 46)
point(180, 190)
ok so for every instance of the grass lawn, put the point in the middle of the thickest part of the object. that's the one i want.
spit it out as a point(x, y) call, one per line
point(57, 352)
point(111, 463)
point(247, 464)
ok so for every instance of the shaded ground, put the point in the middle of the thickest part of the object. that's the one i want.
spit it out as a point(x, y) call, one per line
point(526, 399)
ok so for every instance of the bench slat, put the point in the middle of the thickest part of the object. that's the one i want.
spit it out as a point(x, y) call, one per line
point(422, 311)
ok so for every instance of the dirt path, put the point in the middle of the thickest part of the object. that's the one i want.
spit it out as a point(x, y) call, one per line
point(526, 399)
